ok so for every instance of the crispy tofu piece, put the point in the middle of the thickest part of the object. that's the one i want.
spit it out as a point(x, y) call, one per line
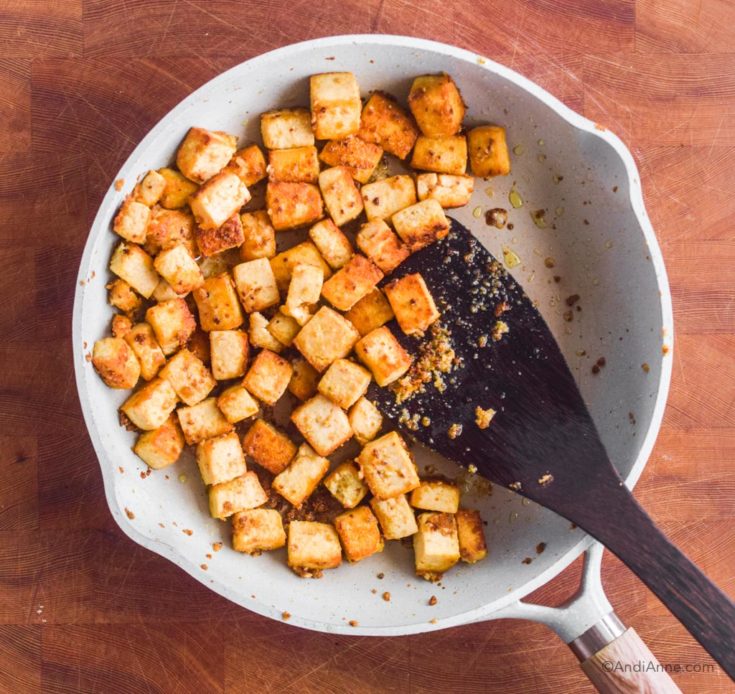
point(131, 221)
point(146, 348)
point(268, 377)
point(365, 420)
point(326, 337)
point(237, 404)
point(359, 156)
point(286, 129)
point(150, 189)
point(202, 421)
point(384, 198)
point(371, 312)
point(295, 165)
point(472, 545)
point(387, 466)
point(341, 196)
point(312, 547)
point(284, 263)
point(323, 424)
point(121, 325)
point(395, 517)
point(217, 304)
point(150, 406)
point(292, 205)
point(213, 241)
point(333, 245)
point(189, 377)
point(257, 530)
point(359, 533)
point(381, 352)
point(435, 545)
point(132, 264)
point(421, 224)
point(449, 191)
point(268, 447)
point(161, 447)
point(177, 191)
point(115, 362)
point(335, 105)
point(229, 350)
point(283, 328)
point(386, 124)
point(218, 199)
point(345, 484)
point(351, 282)
point(179, 269)
point(436, 495)
point(299, 480)
point(220, 459)
point(248, 164)
point(344, 383)
point(304, 379)
point(122, 297)
point(204, 153)
point(256, 285)
point(304, 292)
point(488, 151)
point(380, 243)
point(241, 494)
point(172, 323)
point(436, 105)
point(259, 236)
point(446, 155)
point(259, 334)
point(412, 303)
point(169, 228)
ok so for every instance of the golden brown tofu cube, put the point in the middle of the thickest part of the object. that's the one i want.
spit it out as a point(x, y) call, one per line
point(292, 205)
point(218, 199)
point(122, 296)
point(436, 105)
point(217, 304)
point(189, 377)
point(172, 323)
point(312, 547)
point(371, 312)
point(380, 243)
point(326, 337)
point(359, 533)
point(381, 352)
point(229, 350)
point(387, 466)
point(421, 224)
point(241, 494)
point(345, 484)
point(283, 328)
point(296, 165)
point(237, 404)
point(284, 263)
point(177, 191)
point(268, 447)
point(335, 105)
point(341, 196)
point(359, 156)
point(352, 282)
point(299, 480)
point(150, 189)
point(333, 245)
point(131, 221)
point(213, 241)
point(488, 151)
point(259, 236)
point(386, 124)
point(120, 326)
point(132, 264)
point(435, 545)
point(256, 285)
point(412, 303)
point(384, 198)
point(203, 153)
point(286, 129)
point(248, 164)
point(344, 383)
point(179, 269)
point(220, 459)
point(146, 348)
point(449, 191)
point(395, 517)
point(257, 530)
point(365, 420)
point(115, 362)
point(304, 380)
point(202, 421)
point(268, 377)
point(440, 154)
point(150, 406)
point(169, 228)
point(436, 495)
point(304, 292)
point(323, 424)
point(161, 447)
point(472, 545)
point(259, 334)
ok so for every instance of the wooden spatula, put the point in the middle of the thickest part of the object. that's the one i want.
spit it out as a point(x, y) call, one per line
point(542, 442)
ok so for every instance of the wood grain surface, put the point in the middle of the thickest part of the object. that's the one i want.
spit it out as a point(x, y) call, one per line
point(82, 608)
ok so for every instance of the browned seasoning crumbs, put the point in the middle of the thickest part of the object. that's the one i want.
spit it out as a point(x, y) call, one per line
point(631, 418)
point(510, 226)
point(546, 479)
point(515, 486)
point(527, 560)
point(568, 316)
point(646, 368)
point(573, 299)
point(203, 567)
point(386, 596)
point(87, 357)
point(161, 525)
point(433, 600)
point(188, 532)
point(119, 183)
point(209, 556)
point(549, 262)
point(381, 575)
point(540, 547)
point(217, 546)
point(501, 308)
point(129, 513)
point(499, 329)
point(557, 278)
point(454, 430)
point(121, 470)
point(484, 417)
point(432, 621)
point(353, 623)
point(285, 616)
point(497, 217)
point(665, 350)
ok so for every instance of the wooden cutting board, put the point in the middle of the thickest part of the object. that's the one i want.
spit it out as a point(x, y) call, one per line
point(84, 609)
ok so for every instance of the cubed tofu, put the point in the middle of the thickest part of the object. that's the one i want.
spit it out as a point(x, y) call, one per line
point(221, 459)
point(283, 328)
point(333, 245)
point(488, 151)
point(131, 221)
point(169, 228)
point(380, 243)
point(217, 304)
point(268, 377)
point(365, 420)
point(256, 284)
point(344, 383)
point(304, 379)
point(384, 198)
point(436, 495)
point(146, 348)
point(268, 447)
point(395, 517)
point(323, 424)
point(381, 352)
point(387, 466)
point(352, 282)
point(257, 530)
point(436, 105)
point(412, 303)
point(386, 124)
point(242, 493)
point(173, 324)
point(202, 421)
point(150, 406)
point(259, 236)
point(248, 164)
point(189, 377)
point(371, 312)
point(284, 263)
point(449, 191)
point(161, 447)
point(446, 155)
point(121, 325)
point(286, 129)
point(216, 240)
point(164, 292)
point(304, 292)
point(359, 533)
point(312, 547)
point(326, 337)
point(179, 269)
point(259, 334)
point(229, 351)
point(218, 199)
point(204, 153)
point(435, 545)
point(471, 535)
point(292, 205)
point(132, 264)
point(295, 165)
point(341, 196)
point(177, 191)
point(421, 224)
point(359, 156)
point(335, 105)
point(345, 484)
point(150, 189)
point(237, 404)
point(299, 480)
point(115, 362)
point(122, 297)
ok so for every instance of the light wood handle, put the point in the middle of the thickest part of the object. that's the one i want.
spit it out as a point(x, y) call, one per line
point(626, 665)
